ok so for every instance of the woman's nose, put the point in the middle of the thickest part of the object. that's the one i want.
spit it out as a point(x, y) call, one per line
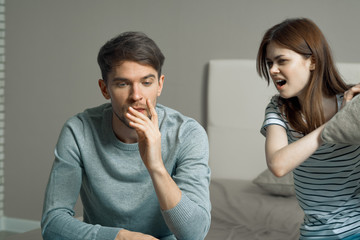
point(274, 69)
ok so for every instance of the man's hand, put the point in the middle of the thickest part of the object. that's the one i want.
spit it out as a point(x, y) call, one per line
point(149, 140)
point(349, 94)
point(124, 234)
point(149, 136)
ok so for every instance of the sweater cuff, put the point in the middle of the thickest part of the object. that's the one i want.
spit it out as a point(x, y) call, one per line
point(181, 213)
point(107, 233)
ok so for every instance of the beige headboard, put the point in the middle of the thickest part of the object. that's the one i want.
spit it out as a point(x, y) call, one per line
point(237, 98)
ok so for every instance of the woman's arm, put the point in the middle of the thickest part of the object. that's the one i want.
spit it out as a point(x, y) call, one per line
point(282, 157)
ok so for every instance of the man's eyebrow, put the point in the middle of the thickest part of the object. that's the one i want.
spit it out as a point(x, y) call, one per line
point(149, 76)
point(120, 79)
point(123, 79)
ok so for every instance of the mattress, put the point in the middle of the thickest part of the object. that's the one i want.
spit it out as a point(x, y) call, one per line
point(242, 210)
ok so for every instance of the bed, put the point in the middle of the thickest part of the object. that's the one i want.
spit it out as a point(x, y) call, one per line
point(248, 202)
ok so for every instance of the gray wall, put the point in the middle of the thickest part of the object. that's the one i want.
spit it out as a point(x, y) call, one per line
point(51, 70)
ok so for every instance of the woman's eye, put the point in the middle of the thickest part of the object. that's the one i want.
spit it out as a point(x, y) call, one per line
point(282, 61)
point(269, 64)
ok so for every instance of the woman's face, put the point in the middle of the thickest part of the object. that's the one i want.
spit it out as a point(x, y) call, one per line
point(289, 70)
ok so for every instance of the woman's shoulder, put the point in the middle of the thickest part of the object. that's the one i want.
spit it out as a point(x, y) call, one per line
point(274, 103)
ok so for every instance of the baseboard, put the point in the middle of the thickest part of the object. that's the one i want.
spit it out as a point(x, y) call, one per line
point(18, 225)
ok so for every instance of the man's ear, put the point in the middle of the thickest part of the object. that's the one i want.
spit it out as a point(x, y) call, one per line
point(104, 89)
point(161, 85)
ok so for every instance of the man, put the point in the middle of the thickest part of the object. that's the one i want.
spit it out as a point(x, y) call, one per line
point(141, 168)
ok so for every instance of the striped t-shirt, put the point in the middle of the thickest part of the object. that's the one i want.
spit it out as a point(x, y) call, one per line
point(327, 184)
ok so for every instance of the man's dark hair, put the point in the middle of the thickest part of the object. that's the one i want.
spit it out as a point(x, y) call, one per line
point(129, 46)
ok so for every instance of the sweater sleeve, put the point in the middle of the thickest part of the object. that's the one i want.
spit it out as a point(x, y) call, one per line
point(190, 218)
point(62, 191)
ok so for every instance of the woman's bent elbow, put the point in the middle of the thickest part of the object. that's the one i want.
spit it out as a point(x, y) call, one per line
point(277, 171)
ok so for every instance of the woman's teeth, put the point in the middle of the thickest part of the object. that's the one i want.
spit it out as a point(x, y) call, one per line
point(280, 82)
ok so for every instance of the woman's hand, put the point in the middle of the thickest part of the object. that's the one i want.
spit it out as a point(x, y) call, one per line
point(350, 94)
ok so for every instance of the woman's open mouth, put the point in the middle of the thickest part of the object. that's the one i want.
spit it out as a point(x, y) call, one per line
point(280, 83)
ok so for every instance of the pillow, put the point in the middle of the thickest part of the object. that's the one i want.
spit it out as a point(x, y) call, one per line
point(283, 186)
point(344, 127)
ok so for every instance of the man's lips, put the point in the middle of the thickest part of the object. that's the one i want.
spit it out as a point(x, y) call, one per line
point(140, 109)
point(144, 111)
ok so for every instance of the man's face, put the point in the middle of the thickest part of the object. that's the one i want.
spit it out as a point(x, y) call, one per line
point(130, 84)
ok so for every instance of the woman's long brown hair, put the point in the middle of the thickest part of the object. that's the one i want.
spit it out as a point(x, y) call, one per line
point(302, 36)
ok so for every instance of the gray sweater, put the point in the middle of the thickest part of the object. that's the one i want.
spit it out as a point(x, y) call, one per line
point(115, 187)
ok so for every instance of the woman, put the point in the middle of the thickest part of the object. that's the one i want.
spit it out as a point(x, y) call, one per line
point(295, 56)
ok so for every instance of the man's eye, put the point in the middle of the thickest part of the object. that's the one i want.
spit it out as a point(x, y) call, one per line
point(121, 84)
point(147, 83)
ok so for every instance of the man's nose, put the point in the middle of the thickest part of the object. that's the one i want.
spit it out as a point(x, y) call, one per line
point(136, 94)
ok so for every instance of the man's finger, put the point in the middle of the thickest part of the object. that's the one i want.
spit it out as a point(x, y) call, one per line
point(152, 111)
point(137, 113)
point(135, 116)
